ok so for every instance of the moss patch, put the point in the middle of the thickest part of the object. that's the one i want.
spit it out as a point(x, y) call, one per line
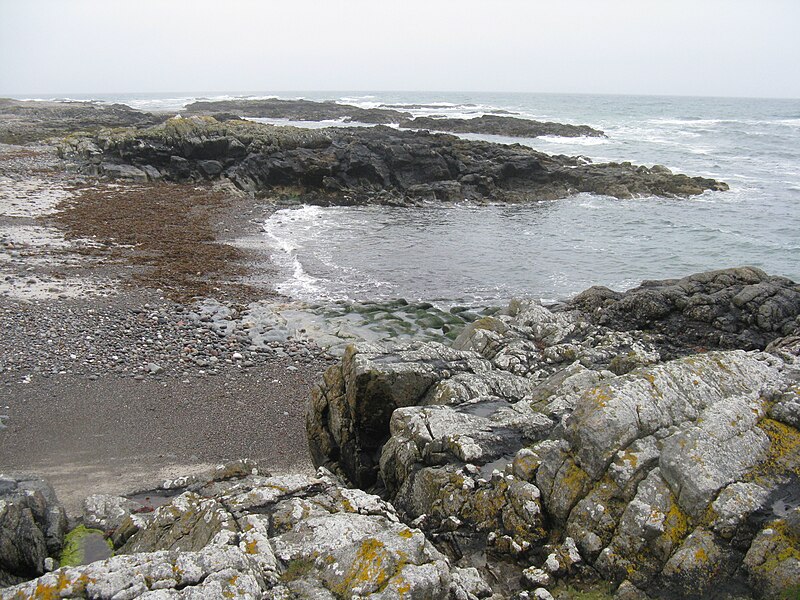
point(74, 552)
point(297, 569)
point(600, 591)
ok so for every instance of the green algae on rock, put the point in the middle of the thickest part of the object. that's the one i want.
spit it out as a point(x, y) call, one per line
point(83, 546)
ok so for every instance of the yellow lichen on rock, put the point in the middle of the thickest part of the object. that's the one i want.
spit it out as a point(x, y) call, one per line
point(784, 449)
point(373, 566)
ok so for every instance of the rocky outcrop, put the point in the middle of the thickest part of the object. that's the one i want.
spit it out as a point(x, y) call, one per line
point(32, 527)
point(506, 126)
point(547, 447)
point(730, 308)
point(256, 536)
point(297, 110)
point(364, 165)
point(543, 450)
point(307, 110)
point(28, 121)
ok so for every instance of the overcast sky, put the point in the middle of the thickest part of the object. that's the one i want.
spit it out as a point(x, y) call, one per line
point(682, 47)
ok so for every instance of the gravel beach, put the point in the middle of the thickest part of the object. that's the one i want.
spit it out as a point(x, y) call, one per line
point(112, 376)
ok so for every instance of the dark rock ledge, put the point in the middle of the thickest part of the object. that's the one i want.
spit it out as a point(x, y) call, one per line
point(362, 165)
point(29, 121)
point(506, 126)
point(546, 451)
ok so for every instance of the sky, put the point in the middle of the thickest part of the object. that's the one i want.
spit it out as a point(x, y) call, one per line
point(672, 47)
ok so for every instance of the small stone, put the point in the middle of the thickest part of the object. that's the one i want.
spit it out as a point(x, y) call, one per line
point(551, 563)
point(154, 369)
point(542, 594)
point(537, 577)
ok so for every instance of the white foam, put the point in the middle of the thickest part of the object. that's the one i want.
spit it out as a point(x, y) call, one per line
point(308, 124)
point(299, 283)
point(577, 141)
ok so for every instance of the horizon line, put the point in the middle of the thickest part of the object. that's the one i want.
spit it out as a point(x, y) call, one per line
point(195, 93)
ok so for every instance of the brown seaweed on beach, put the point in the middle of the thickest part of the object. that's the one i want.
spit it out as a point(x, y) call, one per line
point(165, 228)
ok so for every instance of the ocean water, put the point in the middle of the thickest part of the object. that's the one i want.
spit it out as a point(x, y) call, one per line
point(552, 250)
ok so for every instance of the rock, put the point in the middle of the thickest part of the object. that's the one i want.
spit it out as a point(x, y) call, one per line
point(123, 172)
point(353, 404)
point(296, 110)
point(628, 591)
point(104, 512)
point(549, 448)
point(468, 584)
point(499, 125)
point(773, 560)
point(658, 473)
point(787, 408)
point(734, 505)
point(188, 523)
point(378, 165)
point(32, 527)
point(213, 572)
point(27, 121)
point(154, 369)
point(306, 110)
point(730, 308)
point(700, 566)
point(210, 168)
point(542, 594)
point(610, 417)
point(536, 577)
point(253, 536)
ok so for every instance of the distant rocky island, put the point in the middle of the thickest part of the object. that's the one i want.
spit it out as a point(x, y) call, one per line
point(306, 110)
point(631, 445)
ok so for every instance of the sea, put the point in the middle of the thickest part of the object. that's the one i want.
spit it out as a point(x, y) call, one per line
point(550, 250)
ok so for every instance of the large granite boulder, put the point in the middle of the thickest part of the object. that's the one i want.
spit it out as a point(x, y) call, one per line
point(32, 527)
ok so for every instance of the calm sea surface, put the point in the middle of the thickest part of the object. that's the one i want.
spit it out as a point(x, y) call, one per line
point(551, 250)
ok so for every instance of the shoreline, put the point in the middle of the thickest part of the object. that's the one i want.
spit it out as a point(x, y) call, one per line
point(645, 440)
point(98, 390)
